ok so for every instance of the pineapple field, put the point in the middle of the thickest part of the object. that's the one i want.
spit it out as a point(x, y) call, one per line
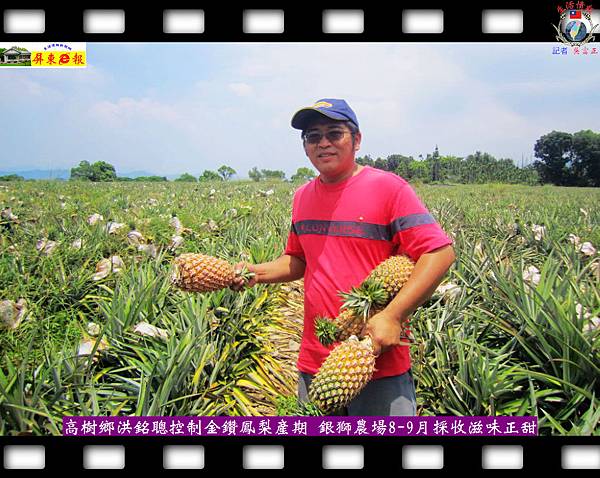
point(91, 323)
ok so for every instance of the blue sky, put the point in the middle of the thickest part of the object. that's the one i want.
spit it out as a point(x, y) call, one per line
point(174, 108)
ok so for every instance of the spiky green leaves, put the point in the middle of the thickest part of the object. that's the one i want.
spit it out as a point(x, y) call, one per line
point(359, 304)
point(292, 406)
point(326, 330)
point(361, 300)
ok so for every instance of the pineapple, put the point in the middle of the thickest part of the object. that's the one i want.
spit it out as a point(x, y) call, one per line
point(347, 323)
point(393, 273)
point(201, 273)
point(361, 303)
point(342, 376)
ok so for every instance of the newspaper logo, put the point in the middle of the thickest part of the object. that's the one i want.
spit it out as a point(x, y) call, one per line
point(575, 27)
point(43, 55)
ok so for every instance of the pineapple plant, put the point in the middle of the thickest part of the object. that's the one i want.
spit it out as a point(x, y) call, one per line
point(292, 406)
point(195, 272)
point(361, 303)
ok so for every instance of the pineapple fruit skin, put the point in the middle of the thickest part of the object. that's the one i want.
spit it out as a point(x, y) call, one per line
point(348, 324)
point(342, 376)
point(393, 273)
point(195, 272)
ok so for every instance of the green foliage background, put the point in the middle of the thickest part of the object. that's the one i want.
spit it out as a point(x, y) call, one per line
point(501, 346)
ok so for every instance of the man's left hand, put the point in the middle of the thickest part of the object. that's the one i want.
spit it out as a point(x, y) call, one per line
point(385, 331)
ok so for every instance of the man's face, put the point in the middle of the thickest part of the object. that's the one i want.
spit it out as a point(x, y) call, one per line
point(332, 157)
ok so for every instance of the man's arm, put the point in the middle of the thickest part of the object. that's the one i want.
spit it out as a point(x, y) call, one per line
point(286, 268)
point(427, 275)
point(386, 326)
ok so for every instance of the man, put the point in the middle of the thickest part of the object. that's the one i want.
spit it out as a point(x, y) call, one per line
point(344, 223)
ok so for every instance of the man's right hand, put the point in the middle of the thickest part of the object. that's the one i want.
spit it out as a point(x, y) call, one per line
point(239, 283)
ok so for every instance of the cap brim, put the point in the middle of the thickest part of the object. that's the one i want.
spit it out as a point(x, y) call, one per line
point(302, 117)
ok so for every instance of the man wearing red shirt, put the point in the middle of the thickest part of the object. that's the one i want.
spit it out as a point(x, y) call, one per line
point(344, 223)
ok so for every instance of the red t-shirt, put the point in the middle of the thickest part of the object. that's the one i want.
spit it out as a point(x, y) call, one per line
point(343, 231)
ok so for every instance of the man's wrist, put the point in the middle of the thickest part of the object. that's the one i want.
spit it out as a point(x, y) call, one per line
point(397, 312)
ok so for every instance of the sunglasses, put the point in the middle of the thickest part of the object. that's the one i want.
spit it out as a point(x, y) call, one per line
point(332, 136)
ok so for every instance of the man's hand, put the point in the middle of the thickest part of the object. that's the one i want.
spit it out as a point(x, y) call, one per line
point(239, 283)
point(385, 331)
point(286, 268)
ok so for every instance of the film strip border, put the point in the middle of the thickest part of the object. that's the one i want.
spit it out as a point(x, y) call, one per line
point(266, 22)
point(220, 455)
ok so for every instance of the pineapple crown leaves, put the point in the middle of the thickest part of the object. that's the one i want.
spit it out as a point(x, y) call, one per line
point(325, 330)
point(361, 299)
point(245, 274)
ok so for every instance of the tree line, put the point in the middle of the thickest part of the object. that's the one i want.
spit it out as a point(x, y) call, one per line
point(563, 159)
point(103, 171)
point(435, 168)
point(301, 175)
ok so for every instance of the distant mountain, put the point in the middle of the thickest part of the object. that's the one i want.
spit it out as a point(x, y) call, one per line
point(41, 173)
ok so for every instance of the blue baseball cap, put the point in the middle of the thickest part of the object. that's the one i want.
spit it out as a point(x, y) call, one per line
point(329, 107)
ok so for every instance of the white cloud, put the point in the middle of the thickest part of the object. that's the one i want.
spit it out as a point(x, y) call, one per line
point(394, 89)
point(131, 109)
point(552, 86)
point(53, 85)
point(17, 85)
point(241, 89)
point(408, 97)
